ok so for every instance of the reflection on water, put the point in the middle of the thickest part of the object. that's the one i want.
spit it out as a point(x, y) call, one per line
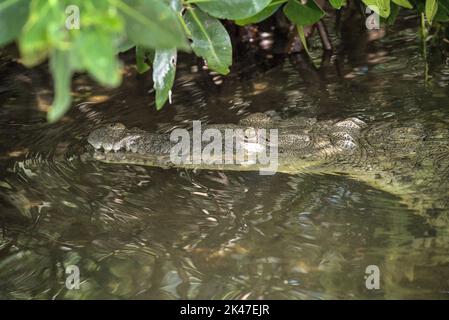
point(150, 233)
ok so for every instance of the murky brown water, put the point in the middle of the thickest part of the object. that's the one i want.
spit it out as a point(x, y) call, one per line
point(146, 233)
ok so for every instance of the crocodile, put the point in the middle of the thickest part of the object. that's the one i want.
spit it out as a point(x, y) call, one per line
point(406, 158)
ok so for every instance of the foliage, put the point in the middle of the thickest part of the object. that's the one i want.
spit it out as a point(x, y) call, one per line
point(157, 29)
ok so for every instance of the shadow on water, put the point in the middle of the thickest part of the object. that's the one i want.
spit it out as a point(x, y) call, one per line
point(137, 232)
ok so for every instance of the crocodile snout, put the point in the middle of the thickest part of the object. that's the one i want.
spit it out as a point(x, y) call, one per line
point(94, 139)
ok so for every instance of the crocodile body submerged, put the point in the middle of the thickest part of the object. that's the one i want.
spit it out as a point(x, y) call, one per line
point(404, 158)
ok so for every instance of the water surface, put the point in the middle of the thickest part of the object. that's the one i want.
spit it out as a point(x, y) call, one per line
point(149, 233)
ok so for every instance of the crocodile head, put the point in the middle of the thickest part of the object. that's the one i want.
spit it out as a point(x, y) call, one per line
point(114, 137)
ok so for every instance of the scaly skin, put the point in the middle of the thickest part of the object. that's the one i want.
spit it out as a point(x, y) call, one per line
point(405, 159)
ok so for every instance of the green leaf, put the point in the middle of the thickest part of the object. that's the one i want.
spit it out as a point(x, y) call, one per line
point(303, 14)
point(97, 54)
point(381, 7)
point(431, 10)
point(142, 56)
point(419, 6)
point(262, 15)
point(13, 15)
point(233, 9)
point(302, 37)
point(441, 15)
point(124, 45)
point(337, 4)
point(176, 5)
point(394, 11)
point(210, 40)
point(444, 5)
point(62, 75)
point(164, 67)
point(403, 3)
point(152, 24)
point(41, 32)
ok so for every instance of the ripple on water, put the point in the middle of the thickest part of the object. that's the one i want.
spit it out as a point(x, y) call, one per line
point(140, 232)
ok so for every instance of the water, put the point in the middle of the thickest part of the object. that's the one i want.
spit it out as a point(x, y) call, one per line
point(149, 233)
